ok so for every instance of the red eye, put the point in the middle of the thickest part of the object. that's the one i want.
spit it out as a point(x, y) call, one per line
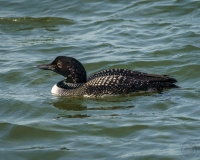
point(59, 65)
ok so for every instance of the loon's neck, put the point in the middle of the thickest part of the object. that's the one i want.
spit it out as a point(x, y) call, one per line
point(65, 88)
point(67, 85)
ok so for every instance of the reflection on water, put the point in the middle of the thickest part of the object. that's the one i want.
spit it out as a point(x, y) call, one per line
point(69, 106)
point(73, 116)
point(76, 105)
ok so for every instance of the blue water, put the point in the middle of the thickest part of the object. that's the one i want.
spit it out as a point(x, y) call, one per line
point(160, 37)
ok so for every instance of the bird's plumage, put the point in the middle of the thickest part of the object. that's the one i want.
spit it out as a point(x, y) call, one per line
point(106, 82)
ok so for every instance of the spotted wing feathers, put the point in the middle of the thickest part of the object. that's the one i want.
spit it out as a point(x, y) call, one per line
point(133, 74)
point(122, 81)
point(113, 85)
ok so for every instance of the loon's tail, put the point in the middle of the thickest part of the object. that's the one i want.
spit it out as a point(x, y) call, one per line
point(166, 83)
point(169, 85)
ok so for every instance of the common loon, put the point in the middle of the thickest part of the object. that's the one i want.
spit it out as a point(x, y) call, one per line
point(105, 82)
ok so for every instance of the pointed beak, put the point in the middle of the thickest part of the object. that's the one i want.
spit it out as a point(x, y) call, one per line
point(45, 67)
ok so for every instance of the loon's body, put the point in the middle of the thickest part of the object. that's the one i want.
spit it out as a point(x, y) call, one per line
point(106, 82)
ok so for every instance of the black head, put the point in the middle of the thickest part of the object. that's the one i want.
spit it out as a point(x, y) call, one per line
point(69, 67)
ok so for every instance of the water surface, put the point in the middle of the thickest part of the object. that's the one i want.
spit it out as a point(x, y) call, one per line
point(159, 37)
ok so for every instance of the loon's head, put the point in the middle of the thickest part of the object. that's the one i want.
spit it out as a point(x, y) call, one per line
point(69, 67)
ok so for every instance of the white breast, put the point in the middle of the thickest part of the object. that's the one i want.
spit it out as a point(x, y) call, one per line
point(56, 90)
